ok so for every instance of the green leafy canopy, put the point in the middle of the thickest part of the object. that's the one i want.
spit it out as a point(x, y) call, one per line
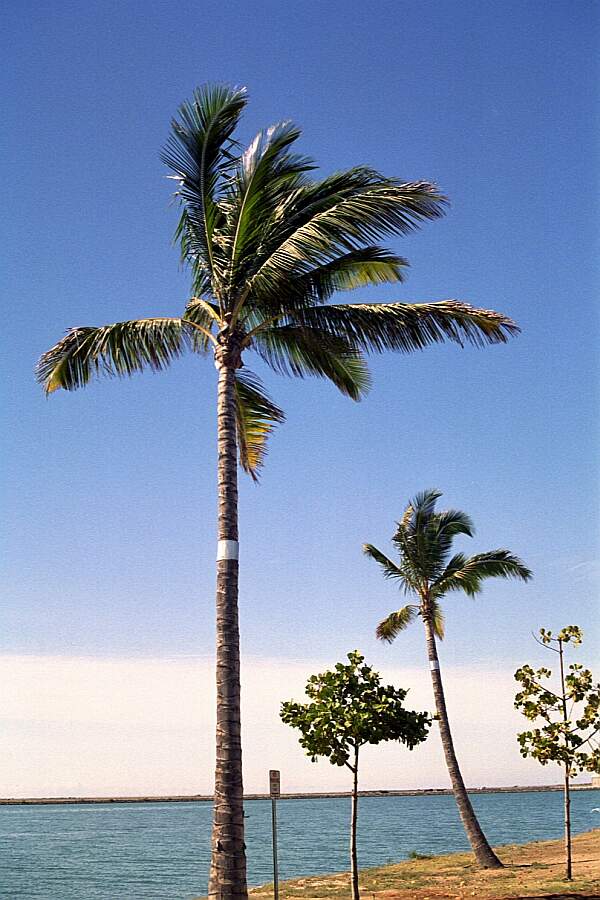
point(569, 712)
point(350, 707)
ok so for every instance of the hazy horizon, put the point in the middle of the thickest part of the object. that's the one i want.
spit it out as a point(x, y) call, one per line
point(90, 727)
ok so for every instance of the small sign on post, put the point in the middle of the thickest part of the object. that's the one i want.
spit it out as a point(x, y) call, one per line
point(274, 784)
point(275, 793)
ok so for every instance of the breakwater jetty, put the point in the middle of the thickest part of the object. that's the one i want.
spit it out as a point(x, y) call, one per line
point(207, 798)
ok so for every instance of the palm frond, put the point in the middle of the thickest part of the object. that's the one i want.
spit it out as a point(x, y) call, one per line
point(115, 350)
point(256, 416)
point(501, 564)
point(390, 568)
point(437, 619)
point(339, 214)
point(407, 327)
point(417, 540)
point(199, 153)
point(264, 176)
point(190, 234)
point(434, 533)
point(200, 311)
point(452, 522)
point(390, 628)
point(456, 577)
point(404, 523)
point(364, 267)
point(423, 505)
point(298, 351)
point(466, 574)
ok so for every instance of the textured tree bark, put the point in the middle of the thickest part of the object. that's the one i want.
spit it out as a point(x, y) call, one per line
point(484, 854)
point(353, 829)
point(228, 850)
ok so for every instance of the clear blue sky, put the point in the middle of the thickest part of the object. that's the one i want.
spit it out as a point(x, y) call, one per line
point(110, 492)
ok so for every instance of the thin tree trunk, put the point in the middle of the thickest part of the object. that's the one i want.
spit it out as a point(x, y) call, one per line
point(568, 865)
point(228, 851)
point(484, 854)
point(353, 829)
point(567, 789)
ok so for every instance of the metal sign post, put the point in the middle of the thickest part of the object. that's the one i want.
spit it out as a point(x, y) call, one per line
point(274, 791)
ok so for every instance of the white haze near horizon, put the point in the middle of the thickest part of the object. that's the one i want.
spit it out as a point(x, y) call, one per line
point(72, 726)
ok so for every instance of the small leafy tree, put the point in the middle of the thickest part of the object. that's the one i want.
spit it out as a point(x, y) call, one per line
point(350, 707)
point(571, 717)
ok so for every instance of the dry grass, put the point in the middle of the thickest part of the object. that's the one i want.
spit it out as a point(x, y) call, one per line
point(532, 872)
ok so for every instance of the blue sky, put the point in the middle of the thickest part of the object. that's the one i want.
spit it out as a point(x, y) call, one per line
point(110, 492)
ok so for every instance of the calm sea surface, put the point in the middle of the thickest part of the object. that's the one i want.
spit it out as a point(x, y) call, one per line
point(159, 851)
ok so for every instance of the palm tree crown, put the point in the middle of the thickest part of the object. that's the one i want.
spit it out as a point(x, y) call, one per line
point(268, 246)
point(426, 569)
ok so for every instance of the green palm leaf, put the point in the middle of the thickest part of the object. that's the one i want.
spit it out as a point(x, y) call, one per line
point(115, 350)
point(365, 267)
point(293, 350)
point(467, 574)
point(265, 174)
point(390, 627)
point(437, 618)
point(451, 522)
point(190, 236)
point(423, 504)
point(390, 568)
point(256, 416)
point(339, 214)
point(408, 327)
point(199, 152)
point(201, 312)
point(429, 540)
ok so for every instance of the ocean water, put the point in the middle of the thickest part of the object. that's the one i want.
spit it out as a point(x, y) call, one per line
point(159, 851)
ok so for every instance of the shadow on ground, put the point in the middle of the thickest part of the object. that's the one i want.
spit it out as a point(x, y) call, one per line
point(560, 897)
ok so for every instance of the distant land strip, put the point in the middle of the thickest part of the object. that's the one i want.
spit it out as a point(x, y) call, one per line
point(207, 798)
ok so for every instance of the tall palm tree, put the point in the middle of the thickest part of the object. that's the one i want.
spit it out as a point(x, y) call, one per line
point(267, 246)
point(426, 571)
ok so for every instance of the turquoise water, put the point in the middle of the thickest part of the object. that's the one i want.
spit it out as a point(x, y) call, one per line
point(159, 851)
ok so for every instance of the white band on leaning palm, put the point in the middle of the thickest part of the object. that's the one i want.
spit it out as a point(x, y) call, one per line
point(434, 664)
point(228, 550)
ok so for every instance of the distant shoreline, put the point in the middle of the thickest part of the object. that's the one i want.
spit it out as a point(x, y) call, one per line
point(207, 798)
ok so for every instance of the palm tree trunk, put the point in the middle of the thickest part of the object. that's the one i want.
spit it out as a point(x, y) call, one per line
point(228, 851)
point(484, 854)
point(353, 829)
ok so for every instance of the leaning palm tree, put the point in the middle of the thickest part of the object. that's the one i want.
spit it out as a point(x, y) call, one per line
point(267, 246)
point(426, 571)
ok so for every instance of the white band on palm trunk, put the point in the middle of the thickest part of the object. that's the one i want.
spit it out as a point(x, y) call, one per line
point(434, 664)
point(228, 550)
